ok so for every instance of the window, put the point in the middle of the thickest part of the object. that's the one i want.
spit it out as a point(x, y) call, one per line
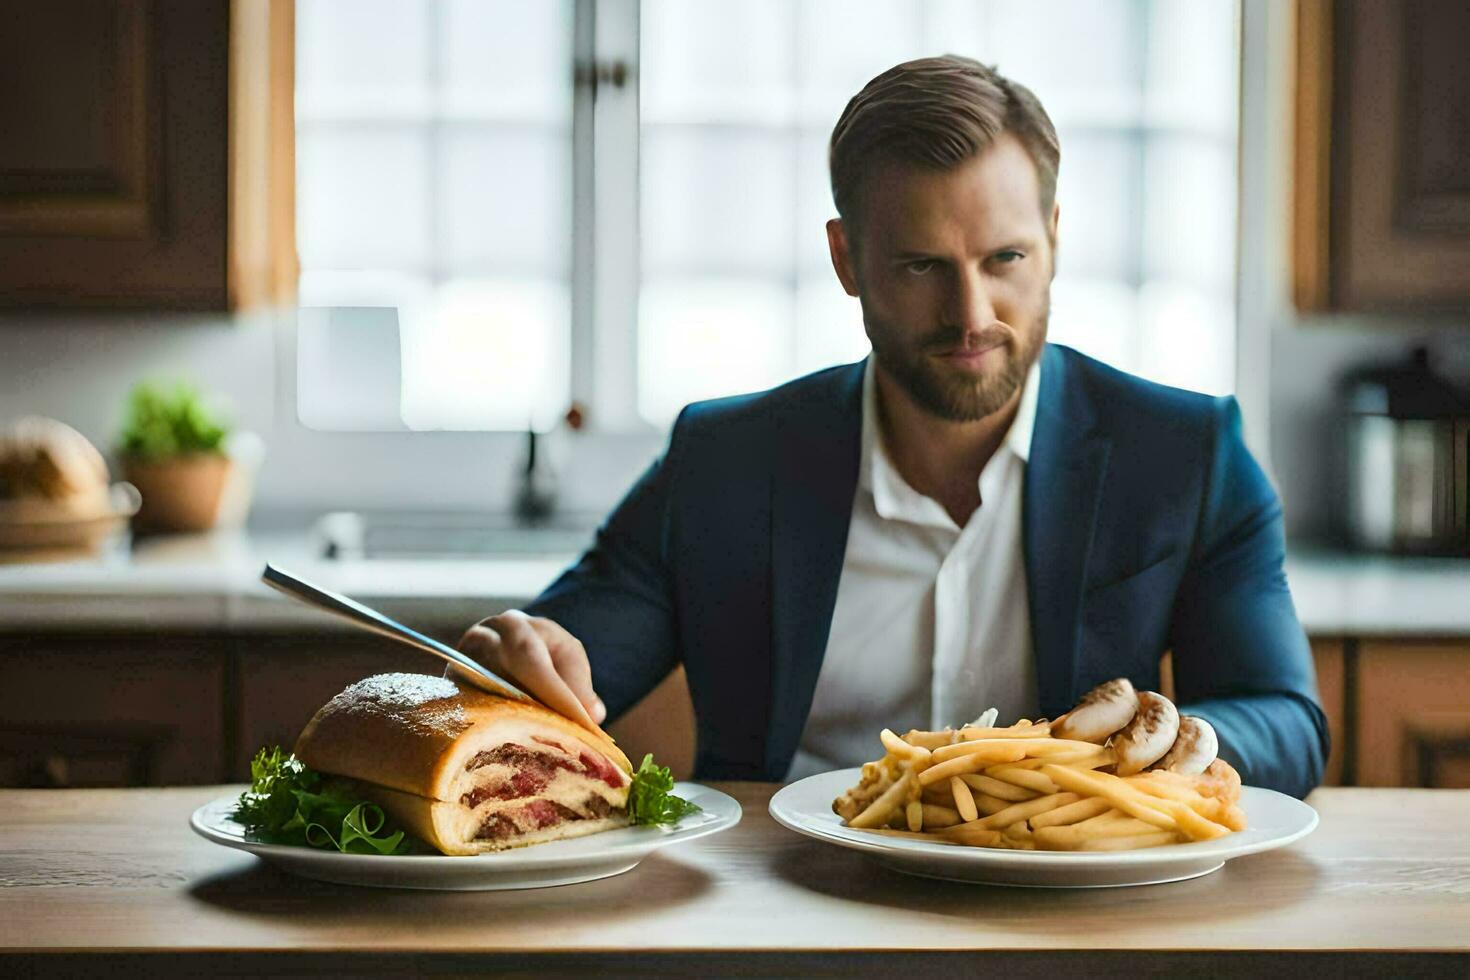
point(738, 104)
point(664, 242)
point(434, 166)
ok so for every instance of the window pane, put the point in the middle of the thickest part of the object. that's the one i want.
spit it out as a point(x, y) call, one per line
point(814, 206)
point(1192, 56)
point(1098, 317)
point(434, 177)
point(701, 338)
point(829, 326)
point(1186, 337)
point(1082, 58)
point(363, 196)
point(366, 58)
point(505, 200)
point(1190, 225)
point(711, 60)
point(717, 200)
point(1097, 189)
point(488, 354)
point(844, 43)
point(507, 58)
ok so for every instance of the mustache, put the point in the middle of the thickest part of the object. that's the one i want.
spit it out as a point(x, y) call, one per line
point(958, 338)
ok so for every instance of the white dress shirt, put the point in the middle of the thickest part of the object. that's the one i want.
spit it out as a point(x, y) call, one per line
point(931, 624)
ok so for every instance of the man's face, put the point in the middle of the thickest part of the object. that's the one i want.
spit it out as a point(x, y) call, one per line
point(954, 274)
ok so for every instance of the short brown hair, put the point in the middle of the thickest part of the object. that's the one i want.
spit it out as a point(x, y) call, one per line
point(937, 113)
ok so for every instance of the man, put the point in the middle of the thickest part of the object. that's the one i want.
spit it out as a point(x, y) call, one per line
point(968, 517)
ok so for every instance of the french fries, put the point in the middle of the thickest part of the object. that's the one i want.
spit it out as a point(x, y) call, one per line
point(1020, 788)
point(964, 800)
point(998, 788)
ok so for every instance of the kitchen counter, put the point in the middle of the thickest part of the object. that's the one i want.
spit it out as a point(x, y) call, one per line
point(111, 882)
point(212, 582)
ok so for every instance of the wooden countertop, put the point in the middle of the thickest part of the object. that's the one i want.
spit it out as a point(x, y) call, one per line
point(114, 882)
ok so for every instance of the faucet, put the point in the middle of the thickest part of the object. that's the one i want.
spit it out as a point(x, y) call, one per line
point(536, 490)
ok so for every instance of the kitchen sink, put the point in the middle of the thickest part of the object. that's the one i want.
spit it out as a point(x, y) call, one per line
point(349, 535)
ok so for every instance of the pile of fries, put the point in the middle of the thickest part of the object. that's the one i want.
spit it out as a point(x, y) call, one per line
point(1020, 788)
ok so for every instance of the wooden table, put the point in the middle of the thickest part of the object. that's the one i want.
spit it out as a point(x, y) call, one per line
point(110, 882)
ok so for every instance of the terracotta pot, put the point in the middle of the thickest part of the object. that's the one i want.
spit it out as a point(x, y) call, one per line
point(181, 493)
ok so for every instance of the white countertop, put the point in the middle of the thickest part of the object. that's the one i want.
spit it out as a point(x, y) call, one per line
point(213, 582)
point(1343, 594)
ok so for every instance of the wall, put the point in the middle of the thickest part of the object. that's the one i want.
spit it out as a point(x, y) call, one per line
point(79, 368)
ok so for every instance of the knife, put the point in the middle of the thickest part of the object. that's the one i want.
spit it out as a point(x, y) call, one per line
point(374, 621)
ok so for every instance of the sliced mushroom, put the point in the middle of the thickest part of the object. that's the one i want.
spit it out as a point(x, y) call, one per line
point(1102, 711)
point(1194, 748)
point(1149, 736)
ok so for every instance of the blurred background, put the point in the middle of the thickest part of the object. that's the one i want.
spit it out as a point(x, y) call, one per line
point(405, 293)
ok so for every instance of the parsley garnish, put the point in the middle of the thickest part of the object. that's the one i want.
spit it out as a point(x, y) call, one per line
point(288, 803)
point(651, 799)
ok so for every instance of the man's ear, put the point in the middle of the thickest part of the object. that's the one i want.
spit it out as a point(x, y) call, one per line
point(1051, 231)
point(842, 260)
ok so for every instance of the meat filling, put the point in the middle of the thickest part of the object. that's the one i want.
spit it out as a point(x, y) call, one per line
point(538, 815)
point(534, 770)
point(531, 771)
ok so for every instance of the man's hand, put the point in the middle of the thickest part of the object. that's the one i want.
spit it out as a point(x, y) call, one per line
point(539, 655)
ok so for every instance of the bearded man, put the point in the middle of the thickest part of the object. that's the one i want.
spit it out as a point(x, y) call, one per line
point(969, 517)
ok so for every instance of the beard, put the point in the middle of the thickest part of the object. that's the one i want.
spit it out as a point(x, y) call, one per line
point(956, 396)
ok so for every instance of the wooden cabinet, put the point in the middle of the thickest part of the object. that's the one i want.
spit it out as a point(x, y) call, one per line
point(1398, 711)
point(129, 709)
point(99, 711)
point(1381, 193)
point(1327, 655)
point(146, 154)
point(1414, 714)
point(146, 709)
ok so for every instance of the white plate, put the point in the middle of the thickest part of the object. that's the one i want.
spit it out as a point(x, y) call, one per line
point(1274, 819)
point(560, 862)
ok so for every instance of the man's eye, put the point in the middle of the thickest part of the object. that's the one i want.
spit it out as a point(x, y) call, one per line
point(920, 267)
point(1007, 257)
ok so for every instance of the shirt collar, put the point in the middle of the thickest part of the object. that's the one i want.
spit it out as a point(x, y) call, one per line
point(893, 498)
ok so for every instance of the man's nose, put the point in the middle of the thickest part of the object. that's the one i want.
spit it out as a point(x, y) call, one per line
point(970, 306)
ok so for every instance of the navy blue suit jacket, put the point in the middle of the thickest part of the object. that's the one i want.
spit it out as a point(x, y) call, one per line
point(1147, 526)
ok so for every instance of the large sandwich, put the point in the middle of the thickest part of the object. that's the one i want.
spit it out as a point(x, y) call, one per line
point(466, 771)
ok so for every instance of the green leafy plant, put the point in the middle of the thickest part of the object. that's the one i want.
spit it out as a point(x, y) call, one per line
point(289, 803)
point(163, 422)
point(651, 799)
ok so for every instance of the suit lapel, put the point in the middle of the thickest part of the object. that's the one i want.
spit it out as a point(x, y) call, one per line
point(818, 443)
point(1064, 479)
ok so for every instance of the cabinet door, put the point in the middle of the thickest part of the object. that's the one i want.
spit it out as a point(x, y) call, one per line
point(146, 154)
point(109, 710)
point(1382, 181)
point(1414, 714)
point(113, 172)
point(1327, 655)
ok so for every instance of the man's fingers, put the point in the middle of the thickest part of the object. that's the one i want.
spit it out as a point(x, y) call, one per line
point(523, 654)
point(569, 658)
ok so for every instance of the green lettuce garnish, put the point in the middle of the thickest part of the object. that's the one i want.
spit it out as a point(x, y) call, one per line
point(289, 803)
point(651, 799)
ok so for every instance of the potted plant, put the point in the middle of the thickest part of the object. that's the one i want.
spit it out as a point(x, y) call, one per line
point(172, 450)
